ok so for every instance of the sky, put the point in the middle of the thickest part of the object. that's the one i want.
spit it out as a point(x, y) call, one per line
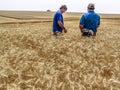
point(101, 6)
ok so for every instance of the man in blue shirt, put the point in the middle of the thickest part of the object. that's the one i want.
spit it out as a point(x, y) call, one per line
point(89, 22)
point(58, 22)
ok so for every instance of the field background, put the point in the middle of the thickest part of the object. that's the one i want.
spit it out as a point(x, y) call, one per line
point(31, 58)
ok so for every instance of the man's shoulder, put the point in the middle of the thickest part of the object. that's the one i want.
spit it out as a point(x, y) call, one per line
point(97, 15)
point(85, 15)
point(58, 12)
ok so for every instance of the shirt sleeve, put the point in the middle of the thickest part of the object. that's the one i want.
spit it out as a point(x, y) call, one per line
point(99, 20)
point(82, 20)
point(59, 17)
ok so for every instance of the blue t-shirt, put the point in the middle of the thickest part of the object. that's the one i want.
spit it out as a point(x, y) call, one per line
point(57, 17)
point(90, 20)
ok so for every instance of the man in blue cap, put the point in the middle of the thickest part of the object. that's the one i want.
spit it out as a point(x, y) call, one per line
point(89, 22)
point(58, 22)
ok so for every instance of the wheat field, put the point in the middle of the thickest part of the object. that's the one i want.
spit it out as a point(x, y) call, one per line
point(31, 58)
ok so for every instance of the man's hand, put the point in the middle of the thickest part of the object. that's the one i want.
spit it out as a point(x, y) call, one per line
point(65, 30)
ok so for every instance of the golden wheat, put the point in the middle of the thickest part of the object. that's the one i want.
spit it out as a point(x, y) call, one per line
point(31, 58)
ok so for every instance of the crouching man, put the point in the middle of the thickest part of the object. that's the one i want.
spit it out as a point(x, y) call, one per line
point(89, 21)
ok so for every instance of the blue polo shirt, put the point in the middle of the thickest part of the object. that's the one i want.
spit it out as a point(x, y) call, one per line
point(90, 20)
point(57, 17)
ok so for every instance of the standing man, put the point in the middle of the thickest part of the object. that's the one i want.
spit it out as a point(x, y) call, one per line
point(58, 22)
point(89, 22)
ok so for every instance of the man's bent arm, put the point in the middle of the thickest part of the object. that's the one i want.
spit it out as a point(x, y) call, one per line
point(81, 27)
point(62, 26)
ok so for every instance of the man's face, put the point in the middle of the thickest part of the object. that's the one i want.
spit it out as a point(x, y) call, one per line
point(63, 10)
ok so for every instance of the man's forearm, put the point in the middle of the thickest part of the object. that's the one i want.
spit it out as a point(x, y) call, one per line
point(61, 25)
point(81, 27)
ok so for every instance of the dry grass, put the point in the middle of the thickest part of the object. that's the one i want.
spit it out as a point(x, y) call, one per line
point(26, 14)
point(31, 58)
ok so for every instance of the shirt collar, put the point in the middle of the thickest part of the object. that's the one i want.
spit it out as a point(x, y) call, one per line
point(60, 11)
point(91, 11)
